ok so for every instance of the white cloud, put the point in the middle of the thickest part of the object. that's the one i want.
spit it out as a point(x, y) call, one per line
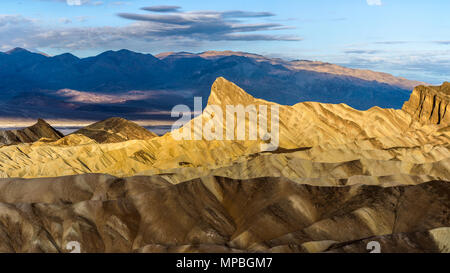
point(374, 2)
point(76, 2)
point(179, 31)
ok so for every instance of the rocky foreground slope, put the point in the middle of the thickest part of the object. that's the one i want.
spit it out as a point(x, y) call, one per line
point(214, 214)
point(339, 179)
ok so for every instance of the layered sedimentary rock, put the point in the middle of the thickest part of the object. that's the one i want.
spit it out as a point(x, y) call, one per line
point(338, 180)
point(213, 214)
point(115, 130)
point(30, 134)
point(382, 142)
point(429, 104)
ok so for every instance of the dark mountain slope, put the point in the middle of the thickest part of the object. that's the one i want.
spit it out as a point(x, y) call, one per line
point(180, 76)
point(215, 214)
point(30, 134)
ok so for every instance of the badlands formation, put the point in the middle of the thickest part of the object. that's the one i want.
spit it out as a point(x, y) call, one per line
point(339, 179)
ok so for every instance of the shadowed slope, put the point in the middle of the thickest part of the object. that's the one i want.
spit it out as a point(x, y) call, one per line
point(213, 214)
point(26, 87)
point(30, 134)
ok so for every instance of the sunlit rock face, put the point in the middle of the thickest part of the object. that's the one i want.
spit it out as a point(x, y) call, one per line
point(429, 104)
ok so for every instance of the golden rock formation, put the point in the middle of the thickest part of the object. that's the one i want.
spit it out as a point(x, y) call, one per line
point(429, 104)
point(318, 143)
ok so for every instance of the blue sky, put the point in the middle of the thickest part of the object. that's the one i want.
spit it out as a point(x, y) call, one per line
point(406, 38)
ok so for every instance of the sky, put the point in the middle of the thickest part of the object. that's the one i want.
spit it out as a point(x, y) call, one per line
point(408, 38)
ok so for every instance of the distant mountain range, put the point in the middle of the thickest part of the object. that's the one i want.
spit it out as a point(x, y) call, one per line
point(142, 86)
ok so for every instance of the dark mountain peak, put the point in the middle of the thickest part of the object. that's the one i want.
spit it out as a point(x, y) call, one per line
point(184, 53)
point(20, 57)
point(126, 51)
point(124, 54)
point(41, 129)
point(120, 52)
point(66, 57)
point(115, 129)
point(17, 50)
point(42, 122)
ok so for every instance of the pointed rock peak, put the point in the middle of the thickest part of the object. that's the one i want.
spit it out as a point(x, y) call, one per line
point(224, 92)
point(42, 122)
point(40, 130)
point(45, 129)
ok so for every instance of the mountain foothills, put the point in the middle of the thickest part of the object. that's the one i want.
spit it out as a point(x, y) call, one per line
point(115, 130)
point(142, 86)
point(339, 179)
